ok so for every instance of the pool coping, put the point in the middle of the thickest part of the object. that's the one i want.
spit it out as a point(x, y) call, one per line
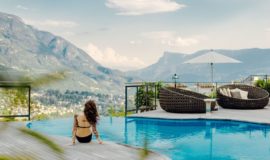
point(249, 116)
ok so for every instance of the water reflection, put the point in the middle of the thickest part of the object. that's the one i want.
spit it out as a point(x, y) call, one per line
point(204, 139)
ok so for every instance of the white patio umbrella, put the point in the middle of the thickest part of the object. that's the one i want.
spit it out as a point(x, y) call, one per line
point(212, 57)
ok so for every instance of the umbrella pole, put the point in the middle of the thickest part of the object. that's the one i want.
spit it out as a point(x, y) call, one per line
point(212, 79)
point(212, 73)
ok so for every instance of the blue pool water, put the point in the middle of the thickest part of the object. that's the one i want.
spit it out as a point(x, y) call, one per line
point(179, 139)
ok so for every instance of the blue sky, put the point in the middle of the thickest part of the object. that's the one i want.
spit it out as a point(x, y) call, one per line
point(131, 34)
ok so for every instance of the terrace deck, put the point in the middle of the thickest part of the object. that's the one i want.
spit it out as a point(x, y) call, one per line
point(14, 143)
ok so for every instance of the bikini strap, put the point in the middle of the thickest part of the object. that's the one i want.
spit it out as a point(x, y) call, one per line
point(77, 123)
point(83, 127)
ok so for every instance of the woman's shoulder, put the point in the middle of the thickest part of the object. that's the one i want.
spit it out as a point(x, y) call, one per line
point(81, 114)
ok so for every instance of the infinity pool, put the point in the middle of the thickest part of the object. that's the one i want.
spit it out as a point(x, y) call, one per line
point(179, 139)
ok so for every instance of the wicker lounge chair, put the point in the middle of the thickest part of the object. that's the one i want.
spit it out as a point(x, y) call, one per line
point(182, 101)
point(257, 98)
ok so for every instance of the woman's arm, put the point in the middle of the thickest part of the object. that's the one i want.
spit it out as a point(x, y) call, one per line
point(74, 129)
point(94, 129)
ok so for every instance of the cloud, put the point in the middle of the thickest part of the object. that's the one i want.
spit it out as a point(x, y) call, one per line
point(51, 23)
point(109, 58)
point(134, 42)
point(267, 29)
point(172, 39)
point(21, 7)
point(141, 7)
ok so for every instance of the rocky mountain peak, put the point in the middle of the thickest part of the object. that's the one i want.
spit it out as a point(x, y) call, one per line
point(24, 48)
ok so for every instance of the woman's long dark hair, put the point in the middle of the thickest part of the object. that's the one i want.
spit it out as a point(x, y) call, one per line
point(90, 111)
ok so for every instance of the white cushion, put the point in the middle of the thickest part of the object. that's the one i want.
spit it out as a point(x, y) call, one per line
point(244, 94)
point(221, 91)
point(224, 92)
point(236, 94)
point(229, 92)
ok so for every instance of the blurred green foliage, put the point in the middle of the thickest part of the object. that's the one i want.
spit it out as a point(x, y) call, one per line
point(117, 113)
point(213, 94)
point(7, 119)
point(263, 84)
point(17, 96)
point(43, 139)
point(21, 157)
point(146, 93)
point(144, 153)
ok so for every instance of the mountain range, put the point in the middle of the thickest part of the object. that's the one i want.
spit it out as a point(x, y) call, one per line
point(255, 61)
point(29, 51)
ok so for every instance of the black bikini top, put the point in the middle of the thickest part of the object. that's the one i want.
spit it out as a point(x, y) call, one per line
point(83, 127)
point(78, 123)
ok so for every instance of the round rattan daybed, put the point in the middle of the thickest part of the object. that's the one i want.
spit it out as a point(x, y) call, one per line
point(257, 98)
point(182, 101)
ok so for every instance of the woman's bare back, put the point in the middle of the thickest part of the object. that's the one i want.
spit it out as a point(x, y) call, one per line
point(84, 128)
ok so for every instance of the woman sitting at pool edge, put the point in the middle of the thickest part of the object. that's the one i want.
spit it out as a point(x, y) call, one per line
point(85, 124)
